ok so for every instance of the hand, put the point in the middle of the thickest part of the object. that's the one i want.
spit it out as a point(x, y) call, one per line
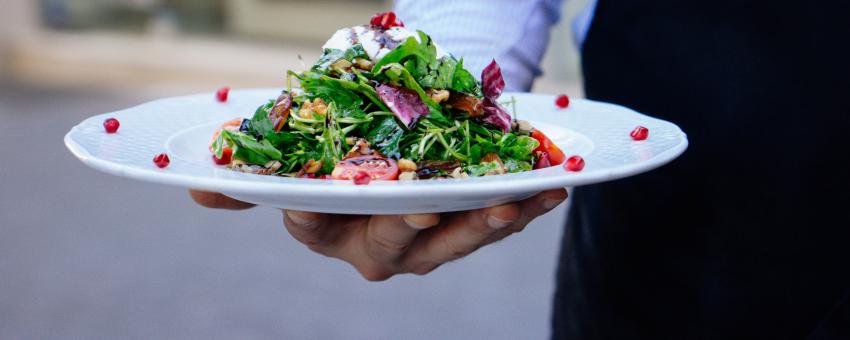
point(381, 246)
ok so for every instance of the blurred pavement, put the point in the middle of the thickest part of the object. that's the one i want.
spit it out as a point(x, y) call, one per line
point(85, 255)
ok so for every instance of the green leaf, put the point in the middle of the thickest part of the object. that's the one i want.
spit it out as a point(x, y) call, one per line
point(261, 125)
point(329, 151)
point(283, 138)
point(218, 146)
point(440, 77)
point(330, 89)
point(478, 170)
point(386, 135)
point(332, 55)
point(463, 81)
point(243, 141)
point(512, 165)
point(421, 53)
point(519, 148)
point(248, 156)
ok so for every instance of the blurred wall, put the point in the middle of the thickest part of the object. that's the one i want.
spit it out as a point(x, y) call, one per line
point(18, 21)
point(161, 48)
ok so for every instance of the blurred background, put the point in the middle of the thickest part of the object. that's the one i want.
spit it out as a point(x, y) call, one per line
point(84, 255)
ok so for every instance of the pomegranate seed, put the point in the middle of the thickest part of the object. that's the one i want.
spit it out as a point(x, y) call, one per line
point(161, 160)
point(574, 163)
point(362, 178)
point(386, 20)
point(222, 93)
point(640, 133)
point(111, 125)
point(226, 157)
point(562, 101)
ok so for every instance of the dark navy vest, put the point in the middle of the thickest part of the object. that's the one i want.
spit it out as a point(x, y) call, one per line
point(747, 235)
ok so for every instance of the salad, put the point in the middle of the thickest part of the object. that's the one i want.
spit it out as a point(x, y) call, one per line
point(385, 103)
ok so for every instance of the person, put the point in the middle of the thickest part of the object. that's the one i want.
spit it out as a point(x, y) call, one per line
point(744, 237)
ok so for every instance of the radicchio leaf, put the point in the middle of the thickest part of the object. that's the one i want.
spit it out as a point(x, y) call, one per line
point(404, 103)
point(492, 83)
point(495, 115)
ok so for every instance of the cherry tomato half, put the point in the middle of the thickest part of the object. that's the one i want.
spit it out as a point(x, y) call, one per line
point(556, 156)
point(378, 168)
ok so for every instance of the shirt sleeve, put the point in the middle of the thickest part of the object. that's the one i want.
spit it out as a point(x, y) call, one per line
point(514, 32)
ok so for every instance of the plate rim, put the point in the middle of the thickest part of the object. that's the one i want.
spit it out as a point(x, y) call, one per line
point(308, 187)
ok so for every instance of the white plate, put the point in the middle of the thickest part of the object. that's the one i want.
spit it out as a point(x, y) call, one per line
point(182, 127)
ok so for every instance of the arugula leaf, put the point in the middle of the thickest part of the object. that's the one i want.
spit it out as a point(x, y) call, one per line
point(463, 81)
point(422, 53)
point(445, 73)
point(218, 146)
point(477, 170)
point(261, 125)
point(328, 148)
point(512, 165)
point(440, 76)
point(249, 156)
point(480, 149)
point(243, 141)
point(332, 55)
point(330, 89)
point(282, 139)
point(386, 135)
point(362, 86)
point(519, 148)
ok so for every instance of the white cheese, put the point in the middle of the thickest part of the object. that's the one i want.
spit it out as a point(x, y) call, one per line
point(369, 38)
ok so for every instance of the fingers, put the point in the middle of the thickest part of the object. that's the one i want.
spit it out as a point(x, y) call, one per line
point(463, 234)
point(217, 201)
point(540, 204)
point(382, 246)
point(530, 209)
point(310, 229)
point(387, 237)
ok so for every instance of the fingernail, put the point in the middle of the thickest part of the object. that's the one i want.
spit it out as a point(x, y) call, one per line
point(301, 221)
point(413, 224)
point(549, 203)
point(497, 223)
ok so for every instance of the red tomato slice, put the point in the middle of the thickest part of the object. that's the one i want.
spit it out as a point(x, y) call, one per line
point(378, 168)
point(556, 156)
point(232, 125)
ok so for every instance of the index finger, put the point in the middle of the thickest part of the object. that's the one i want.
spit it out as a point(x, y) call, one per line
point(217, 201)
point(464, 233)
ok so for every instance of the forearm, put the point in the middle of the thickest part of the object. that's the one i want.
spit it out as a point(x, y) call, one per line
point(514, 32)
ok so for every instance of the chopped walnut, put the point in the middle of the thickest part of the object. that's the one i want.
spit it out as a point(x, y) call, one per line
point(273, 165)
point(492, 157)
point(459, 173)
point(312, 166)
point(307, 108)
point(406, 165)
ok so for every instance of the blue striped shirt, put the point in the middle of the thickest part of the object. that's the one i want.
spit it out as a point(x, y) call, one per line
point(514, 32)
